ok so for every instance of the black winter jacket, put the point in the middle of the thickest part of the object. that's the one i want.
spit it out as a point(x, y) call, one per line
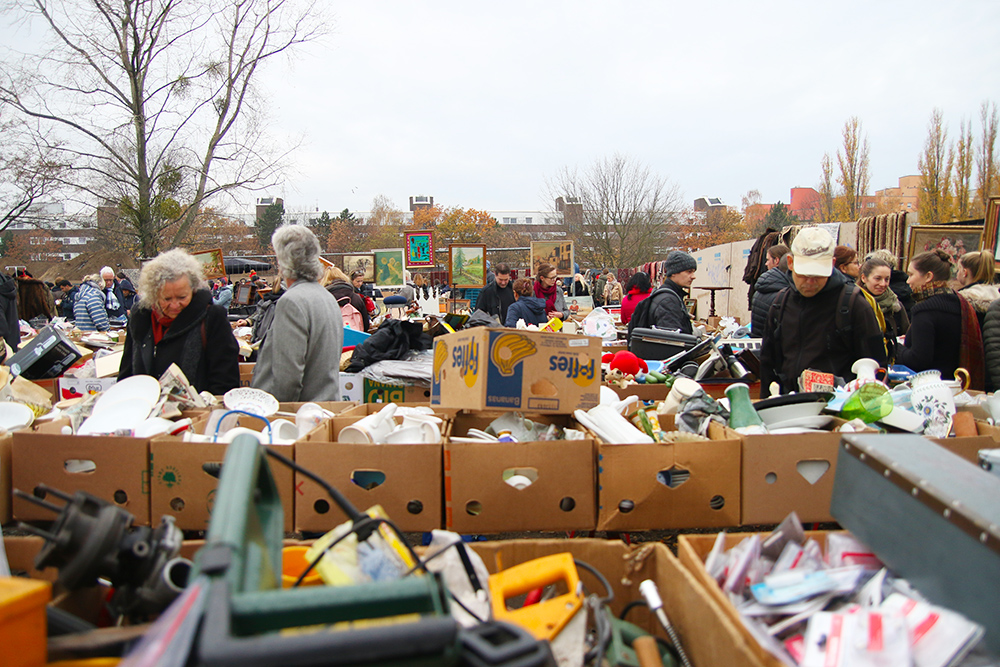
point(667, 311)
point(934, 336)
point(495, 300)
point(808, 338)
point(768, 285)
point(10, 326)
point(344, 293)
point(991, 345)
point(200, 341)
point(902, 290)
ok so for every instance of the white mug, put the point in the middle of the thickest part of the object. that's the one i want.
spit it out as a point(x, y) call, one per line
point(282, 432)
point(231, 434)
point(683, 389)
point(425, 432)
point(371, 429)
point(308, 417)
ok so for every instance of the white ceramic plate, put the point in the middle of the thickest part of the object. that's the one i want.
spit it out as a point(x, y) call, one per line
point(248, 399)
point(810, 422)
point(15, 415)
point(121, 416)
point(145, 387)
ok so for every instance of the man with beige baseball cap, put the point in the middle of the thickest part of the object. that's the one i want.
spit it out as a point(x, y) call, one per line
point(822, 322)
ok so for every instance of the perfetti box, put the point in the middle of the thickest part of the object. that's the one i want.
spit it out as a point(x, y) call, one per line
point(694, 484)
point(112, 468)
point(484, 368)
point(561, 495)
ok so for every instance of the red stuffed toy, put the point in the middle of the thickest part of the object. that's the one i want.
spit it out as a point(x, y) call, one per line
point(628, 363)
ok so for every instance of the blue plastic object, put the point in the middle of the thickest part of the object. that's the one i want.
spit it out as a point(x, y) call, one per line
point(352, 337)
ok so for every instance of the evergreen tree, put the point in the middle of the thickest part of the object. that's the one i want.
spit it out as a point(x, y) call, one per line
point(778, 217)
point(267, 223)
point(322, 229)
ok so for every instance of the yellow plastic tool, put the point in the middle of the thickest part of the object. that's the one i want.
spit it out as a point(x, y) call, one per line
point(545, 619)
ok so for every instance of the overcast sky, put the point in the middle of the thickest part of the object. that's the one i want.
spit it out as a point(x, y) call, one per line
point(477, 104)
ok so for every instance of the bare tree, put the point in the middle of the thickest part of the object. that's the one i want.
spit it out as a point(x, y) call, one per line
point(987, 172)
point(935, 166)
point(29, 173)
point(961, 156)
point(827, 193)
point(853, 165)
point(154, 101)
point(624, 211)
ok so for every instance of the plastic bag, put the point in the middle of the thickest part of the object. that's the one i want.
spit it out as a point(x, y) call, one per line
point(600, 323)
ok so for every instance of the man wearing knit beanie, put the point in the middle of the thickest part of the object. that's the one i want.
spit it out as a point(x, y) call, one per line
point(666, 308)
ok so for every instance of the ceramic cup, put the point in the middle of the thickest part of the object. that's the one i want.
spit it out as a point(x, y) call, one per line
point(283, 431)
point(372, 429)
point(683, 389)
point(308, 417)
point(232, 433)
point(935, 402)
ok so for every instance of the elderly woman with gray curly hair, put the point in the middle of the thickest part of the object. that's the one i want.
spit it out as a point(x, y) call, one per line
point(299, 359)
point(175, 322)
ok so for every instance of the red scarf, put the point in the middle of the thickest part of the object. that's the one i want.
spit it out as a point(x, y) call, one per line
point(160, 325)
point(547, 293)
point(971, 356)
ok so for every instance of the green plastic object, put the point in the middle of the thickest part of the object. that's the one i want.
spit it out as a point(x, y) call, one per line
point(741, 411)
point(620, 653)
point(870, 402)
point(247, 613)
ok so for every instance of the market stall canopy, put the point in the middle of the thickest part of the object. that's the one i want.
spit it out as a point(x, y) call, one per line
point(244, 265)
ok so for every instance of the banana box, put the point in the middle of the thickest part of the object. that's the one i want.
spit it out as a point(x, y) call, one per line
point(482, 368)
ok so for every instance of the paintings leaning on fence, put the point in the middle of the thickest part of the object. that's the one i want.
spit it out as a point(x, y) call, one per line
point(955, 240)
point(389, 268)
point(419, 249)
point(364, 263)
point(467, 265)
point(212, 263)
point(557, 253)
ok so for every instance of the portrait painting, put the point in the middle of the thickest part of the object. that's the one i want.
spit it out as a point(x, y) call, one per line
point(419, 249)
point(212, 263)
point(955, 240)
point(990, 225)
point(467, 265)
point(365, 262)
point(557, 253)
point(389, 268)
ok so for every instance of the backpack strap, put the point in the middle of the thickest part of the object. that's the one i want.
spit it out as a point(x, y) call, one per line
point(843, 317)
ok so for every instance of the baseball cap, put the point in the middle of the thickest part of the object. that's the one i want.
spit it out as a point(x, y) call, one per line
point(813, 252)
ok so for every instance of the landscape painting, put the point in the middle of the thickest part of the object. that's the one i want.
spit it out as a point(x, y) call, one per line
point(557, 253)
point(212, 263)
point(389, 268)
point(467, 265)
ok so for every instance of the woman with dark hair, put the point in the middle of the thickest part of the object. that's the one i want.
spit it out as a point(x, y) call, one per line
point(944, 333)
point(637, 288)
point(547, 289)
point(975, 273)
point(527, 306)
point(846, 261)
point(874, 280)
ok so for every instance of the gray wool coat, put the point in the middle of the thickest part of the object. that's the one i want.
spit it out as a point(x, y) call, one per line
point(300, 357)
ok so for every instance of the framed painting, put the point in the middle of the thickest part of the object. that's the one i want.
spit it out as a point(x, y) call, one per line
point(389, 268)
point(419, 249)
point(990, 225)
point(467, 265)
point(955, 240)
point(212, 263)
point(243, 294)
point(364, 263)
point(557, 253)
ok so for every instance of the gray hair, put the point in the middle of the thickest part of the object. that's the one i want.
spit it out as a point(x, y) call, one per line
point(168, 267)
point(297, 251)
point(106, 269)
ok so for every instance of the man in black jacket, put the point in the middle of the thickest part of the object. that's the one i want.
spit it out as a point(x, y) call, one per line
point(497, 296)
point(768, 285)
point(666, 308)
point(804, 329)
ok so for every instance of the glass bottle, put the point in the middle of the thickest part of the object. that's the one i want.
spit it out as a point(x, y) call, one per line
point(742, 416)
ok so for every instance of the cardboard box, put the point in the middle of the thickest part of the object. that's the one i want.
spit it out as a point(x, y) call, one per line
point(352, 387)
point(118, 469)
point(782, 473)
point(79, 387)
point(561, 497)
point(633, 491)
point(6, 448)
point(356, 387)
point(404, 479)
point(353, 414)
point(507, 369)
point(968, 446)
point(246, 374)
point(181, 488)
point(46, 355)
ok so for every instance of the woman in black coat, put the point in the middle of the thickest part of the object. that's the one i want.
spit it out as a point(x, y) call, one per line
point(339, 285)
point(175, 322)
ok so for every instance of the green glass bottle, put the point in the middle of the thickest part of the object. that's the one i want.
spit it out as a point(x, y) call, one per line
point(742, 416)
